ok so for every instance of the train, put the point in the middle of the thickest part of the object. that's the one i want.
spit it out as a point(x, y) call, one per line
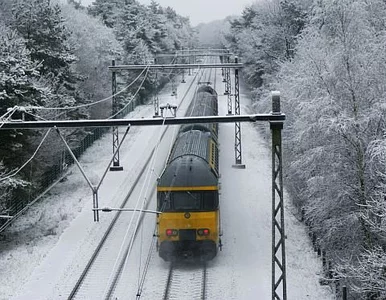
point(188, 226)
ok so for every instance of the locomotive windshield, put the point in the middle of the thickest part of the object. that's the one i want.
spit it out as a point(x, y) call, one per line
point(188, 201)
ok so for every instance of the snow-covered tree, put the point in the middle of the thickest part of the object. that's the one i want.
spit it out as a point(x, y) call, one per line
point(42, 27)
point(7, 186)
point(107, 10)
point(20, 85)
point(333, 93)
point(95, 46)
point(265, 35)
point(144, 31)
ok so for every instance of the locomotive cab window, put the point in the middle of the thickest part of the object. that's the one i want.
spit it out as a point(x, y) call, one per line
point(164, 203)
point(188, 201)
point(210, 200)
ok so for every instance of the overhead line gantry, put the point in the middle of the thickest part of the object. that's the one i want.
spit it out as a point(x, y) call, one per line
point(226, 66)
point(140, 122)
point(175, 66)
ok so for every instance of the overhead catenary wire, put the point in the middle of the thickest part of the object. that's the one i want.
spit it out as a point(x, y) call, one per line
point(135, 94)
point(26, 163)
point(10, 113)
point(148, 186)
point(153, 243)
point(88, 104)
point(132, 241)
point(93, 103)
point(141, 279)
point(16, 108)
point(108, 289)
point(138, 211)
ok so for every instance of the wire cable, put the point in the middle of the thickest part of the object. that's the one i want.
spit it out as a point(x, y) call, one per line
point(135, 94)
point(89, 104)
point(153, 243)
point(137, 213)
point(15, 108)
point(10, 112)
point(140, 283)
point(22, 167)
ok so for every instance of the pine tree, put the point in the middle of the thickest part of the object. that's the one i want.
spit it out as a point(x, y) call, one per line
point(42, 27)
point(20, 85)
point(107, 10)
point(7, 186)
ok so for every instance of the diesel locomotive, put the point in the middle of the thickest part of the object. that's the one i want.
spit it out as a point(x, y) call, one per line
point(188, 188)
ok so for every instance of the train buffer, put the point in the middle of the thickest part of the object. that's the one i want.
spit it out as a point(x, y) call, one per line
point(205, 82)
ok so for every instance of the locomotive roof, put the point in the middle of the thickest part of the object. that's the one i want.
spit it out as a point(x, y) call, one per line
point(207, 88)
point(194, 159)
point(192, 142)
point(204, 104)
point(188, 171)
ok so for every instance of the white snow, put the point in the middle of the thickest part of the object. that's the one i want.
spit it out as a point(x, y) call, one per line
point(43, 253)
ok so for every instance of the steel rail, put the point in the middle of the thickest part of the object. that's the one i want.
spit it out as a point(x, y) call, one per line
point(173, 272)
point(96, 252)
point(168, 282)
point(108, 231)
point(204, 280)
point(118, 273)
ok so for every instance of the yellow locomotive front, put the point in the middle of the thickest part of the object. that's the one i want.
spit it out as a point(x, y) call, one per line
point(188, 198)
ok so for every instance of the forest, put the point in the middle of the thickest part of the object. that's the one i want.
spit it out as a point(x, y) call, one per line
point(328, 60)
point(326, 57)
point(54, 59)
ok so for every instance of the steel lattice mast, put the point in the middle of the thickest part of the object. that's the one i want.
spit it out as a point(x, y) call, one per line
point(228, 87)
point(238, 160)
point(115, 108)
point(279, 278)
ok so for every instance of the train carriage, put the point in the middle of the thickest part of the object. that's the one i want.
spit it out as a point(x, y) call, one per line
point(187, 190)
point(204, 104)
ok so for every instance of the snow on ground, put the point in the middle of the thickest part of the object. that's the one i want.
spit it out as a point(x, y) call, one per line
point(41, 251)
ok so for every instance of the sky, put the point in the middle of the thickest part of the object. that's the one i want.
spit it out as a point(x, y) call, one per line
point(43, 253)
point(200, 11)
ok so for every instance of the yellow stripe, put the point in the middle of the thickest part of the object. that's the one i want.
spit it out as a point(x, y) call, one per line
point(186, 188)
point(211, 154)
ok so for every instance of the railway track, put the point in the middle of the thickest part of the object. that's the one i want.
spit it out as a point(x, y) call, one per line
point(186, 281)
point(97, 278)
point(177, 281)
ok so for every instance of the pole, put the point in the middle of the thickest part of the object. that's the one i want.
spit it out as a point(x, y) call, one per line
point(115, 166)
point(155, 97)
point(279, 280)
point(238, 160)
